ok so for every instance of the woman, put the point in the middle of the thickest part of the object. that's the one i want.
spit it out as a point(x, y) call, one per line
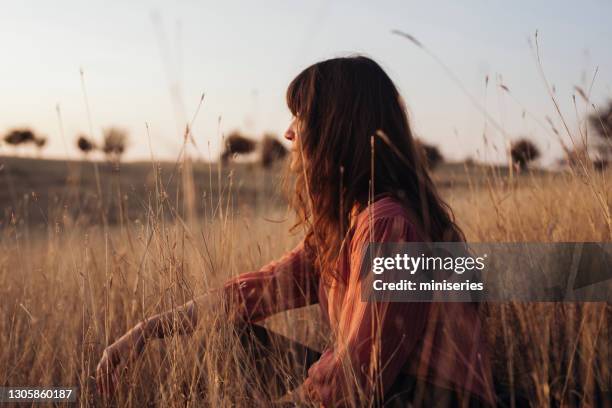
point(359, 178)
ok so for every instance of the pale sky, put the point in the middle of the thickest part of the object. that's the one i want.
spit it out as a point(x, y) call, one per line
point(149, 62)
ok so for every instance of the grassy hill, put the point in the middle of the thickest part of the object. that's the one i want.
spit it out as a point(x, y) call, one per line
point(34, 190)
point(37, 191)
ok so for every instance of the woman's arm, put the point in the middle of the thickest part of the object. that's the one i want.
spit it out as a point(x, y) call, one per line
point(280, 285)
point(285, 284)
point(125, 350)
point(184, 319)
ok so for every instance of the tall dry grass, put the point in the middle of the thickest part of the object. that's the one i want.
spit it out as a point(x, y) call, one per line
point(69, 292)
point(556, 354)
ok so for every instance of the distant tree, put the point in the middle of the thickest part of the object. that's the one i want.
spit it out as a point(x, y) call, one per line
point(85, 145)
point(430, 153)
point(601, 164)
point(523, 151)
point(271, 150)
point(601, 122)
point(18, 137)
point(578, 159)
point(237, 144)
point(40, 142)
point(115, 143)
point(575, 158)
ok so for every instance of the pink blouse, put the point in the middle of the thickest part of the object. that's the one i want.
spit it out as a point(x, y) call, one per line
point(373, 342)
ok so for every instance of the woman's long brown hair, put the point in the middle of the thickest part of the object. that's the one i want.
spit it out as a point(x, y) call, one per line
point(346, 109)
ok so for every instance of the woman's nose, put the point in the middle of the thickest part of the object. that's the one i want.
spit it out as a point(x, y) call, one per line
point(290, 134)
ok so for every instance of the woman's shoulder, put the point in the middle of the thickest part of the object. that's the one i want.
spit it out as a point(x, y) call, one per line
point(387, 216)
point(383, 208)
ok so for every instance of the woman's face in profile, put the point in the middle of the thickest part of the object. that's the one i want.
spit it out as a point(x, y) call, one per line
point(291, 134)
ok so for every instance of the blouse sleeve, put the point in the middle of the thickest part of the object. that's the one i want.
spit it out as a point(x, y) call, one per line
point(374, 339)
point(284, 284)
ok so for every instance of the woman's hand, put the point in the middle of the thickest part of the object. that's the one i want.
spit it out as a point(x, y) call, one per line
point(116, 357)
point(302, 395)
point(181, 320)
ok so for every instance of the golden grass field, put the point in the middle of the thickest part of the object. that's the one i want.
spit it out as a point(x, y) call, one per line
point(72, 285)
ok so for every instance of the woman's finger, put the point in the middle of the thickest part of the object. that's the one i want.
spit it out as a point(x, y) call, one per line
point(100, 374)
point(108, 384)
point(104, 375)
point(114, 381)
point(98, 384)
point(102, 381)
point(105, 385)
